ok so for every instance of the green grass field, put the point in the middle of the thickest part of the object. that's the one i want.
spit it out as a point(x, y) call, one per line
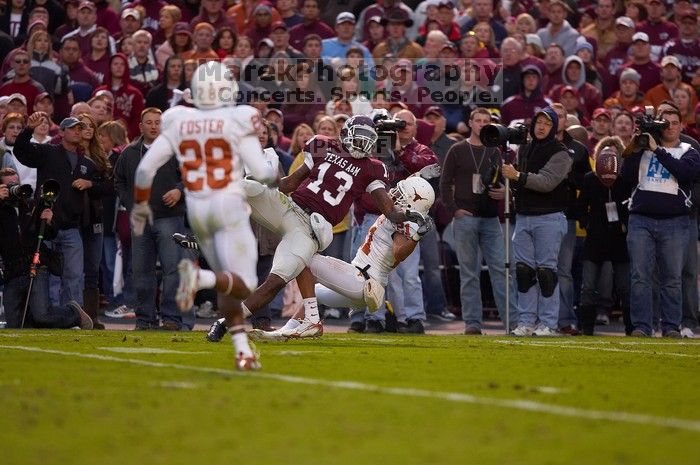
point(123, 398)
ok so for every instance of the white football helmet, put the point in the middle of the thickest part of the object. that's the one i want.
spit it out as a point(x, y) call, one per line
point(213, 86)
point(414, 193)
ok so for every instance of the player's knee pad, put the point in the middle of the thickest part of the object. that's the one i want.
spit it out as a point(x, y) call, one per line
point(525, 276)
point(373, 292)
point(548, 281)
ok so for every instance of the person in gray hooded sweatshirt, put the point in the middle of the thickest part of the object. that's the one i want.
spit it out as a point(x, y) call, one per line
point(573, 74)
point(541, 196)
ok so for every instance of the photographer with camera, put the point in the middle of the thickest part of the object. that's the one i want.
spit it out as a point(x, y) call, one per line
point(660, 170)
point(471, 190)
point(19, 229)
point(541, 196)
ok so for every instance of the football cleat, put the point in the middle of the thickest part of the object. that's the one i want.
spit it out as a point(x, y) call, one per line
point(250, 363)
point(305, 329)
point(276, 335)
point(189, 272)
point(186, 241)
point(217, 331)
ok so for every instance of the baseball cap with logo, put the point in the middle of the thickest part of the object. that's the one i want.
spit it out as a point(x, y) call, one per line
point(640, 36)
point(131, 12)
point(624, 21)
point(86, 4)
point(434, 110)
point(18, 96)
point(346, 17)
point(571, 89)
point(601, 112)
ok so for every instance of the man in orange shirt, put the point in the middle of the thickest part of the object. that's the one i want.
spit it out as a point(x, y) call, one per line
point(671, 69)
point(242, 14)
point(203, 38)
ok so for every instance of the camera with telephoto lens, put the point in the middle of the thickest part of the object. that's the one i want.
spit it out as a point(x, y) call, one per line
point(648, 124)
point(20, 191)
point(497, 135)
point(387, 129)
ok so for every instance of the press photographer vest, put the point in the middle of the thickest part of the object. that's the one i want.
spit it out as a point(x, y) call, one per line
point(530, 202)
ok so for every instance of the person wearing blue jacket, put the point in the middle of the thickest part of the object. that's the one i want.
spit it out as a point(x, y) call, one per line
point(661, 178)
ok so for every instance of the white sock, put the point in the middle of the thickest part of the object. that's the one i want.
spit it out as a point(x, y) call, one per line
point(311, 310)
point(240, 343)
point(246, 312)
point(206, 279)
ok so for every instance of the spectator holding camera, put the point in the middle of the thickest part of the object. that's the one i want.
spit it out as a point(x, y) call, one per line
point(661, 177)
point(19, 227)
point(604, 217)
point(541, 197)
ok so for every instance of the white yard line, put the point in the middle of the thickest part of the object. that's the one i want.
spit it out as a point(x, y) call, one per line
point(147, 350)
point(598, 349)
point(527, 405)
point(610, 342)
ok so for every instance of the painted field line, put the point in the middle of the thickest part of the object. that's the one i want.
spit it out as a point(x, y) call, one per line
point(458, 397)
point(598, 349)
point(610, 342)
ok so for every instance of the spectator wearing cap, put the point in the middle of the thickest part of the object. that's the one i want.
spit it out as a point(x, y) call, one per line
point(568, 96)
point(592, 70)
point(22, 82)
point(261, 25)
point(375, 33)
point(603, 28)
point(178, 43)
point(276, 117)
point(554, 67)
point(446, 21)
point(244, 13)
point(106, 16)
point(337, 47)
point(87, 24)
point(671, 70)
point(288, 12)
point(384, 9)
point(153, 9)
point(657, 27)
point(311, 24)
point(15, 20)
point(641, 61)
point(280, 41)
point(213, 13)
point(559, 30)
point(98, 59)
point(425, 11)
point(601, 125)
point(618, 55)
point(129, 23)
point(203, 38)
point(530, 100)
point(128, 100)
point(143, 71)
point(44, 102)
point(629, 95)
point(397, 44)
point(483, 11)
point(62, 163)
point(686, 47)
point(573, 75)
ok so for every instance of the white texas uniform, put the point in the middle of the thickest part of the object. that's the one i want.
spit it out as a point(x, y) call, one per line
point(341, 284)
point(213, 147)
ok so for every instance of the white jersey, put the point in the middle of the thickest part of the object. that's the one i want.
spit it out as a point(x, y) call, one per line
point(208, 145)
point(378, 249)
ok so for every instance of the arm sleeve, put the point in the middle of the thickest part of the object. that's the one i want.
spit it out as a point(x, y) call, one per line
point(252, 155)
point(685, 169)
point(551, 175)
point(29, 154)
point(158, 155)
point(418, 159)
point(120, 180)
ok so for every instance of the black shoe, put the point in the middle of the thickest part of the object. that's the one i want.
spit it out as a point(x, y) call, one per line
point(374, 327)
point(186, 241)
point(217, 331)
point(357, 327)
point(411, 327)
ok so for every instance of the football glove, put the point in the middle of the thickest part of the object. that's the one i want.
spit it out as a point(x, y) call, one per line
point(140, 215)
point(431, 171)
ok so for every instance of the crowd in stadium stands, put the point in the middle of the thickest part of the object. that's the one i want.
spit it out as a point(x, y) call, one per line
point(578, 74)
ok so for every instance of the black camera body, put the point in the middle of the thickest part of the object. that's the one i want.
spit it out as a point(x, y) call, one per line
point(497, 135)
point(654, 127)
point(387, 129)
point(20, 191)
point(389, 125)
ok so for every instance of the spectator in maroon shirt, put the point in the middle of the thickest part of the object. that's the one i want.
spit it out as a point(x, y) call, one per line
point(311, 24)
point(530, 100)
point(129, 23)
point(574, 76)
point(261, 26)
point(618, 54)
point(22, 82)
point(640, 61)
point(70, 20)
point(212, 12)
point(152, 17)
point(657, 27)
point(280, 40)
point(107, 17)
point(128, 100)
point(686, 47)
point(87, 24)
point(98, 59)
point(553, 62)
point(375, 33)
